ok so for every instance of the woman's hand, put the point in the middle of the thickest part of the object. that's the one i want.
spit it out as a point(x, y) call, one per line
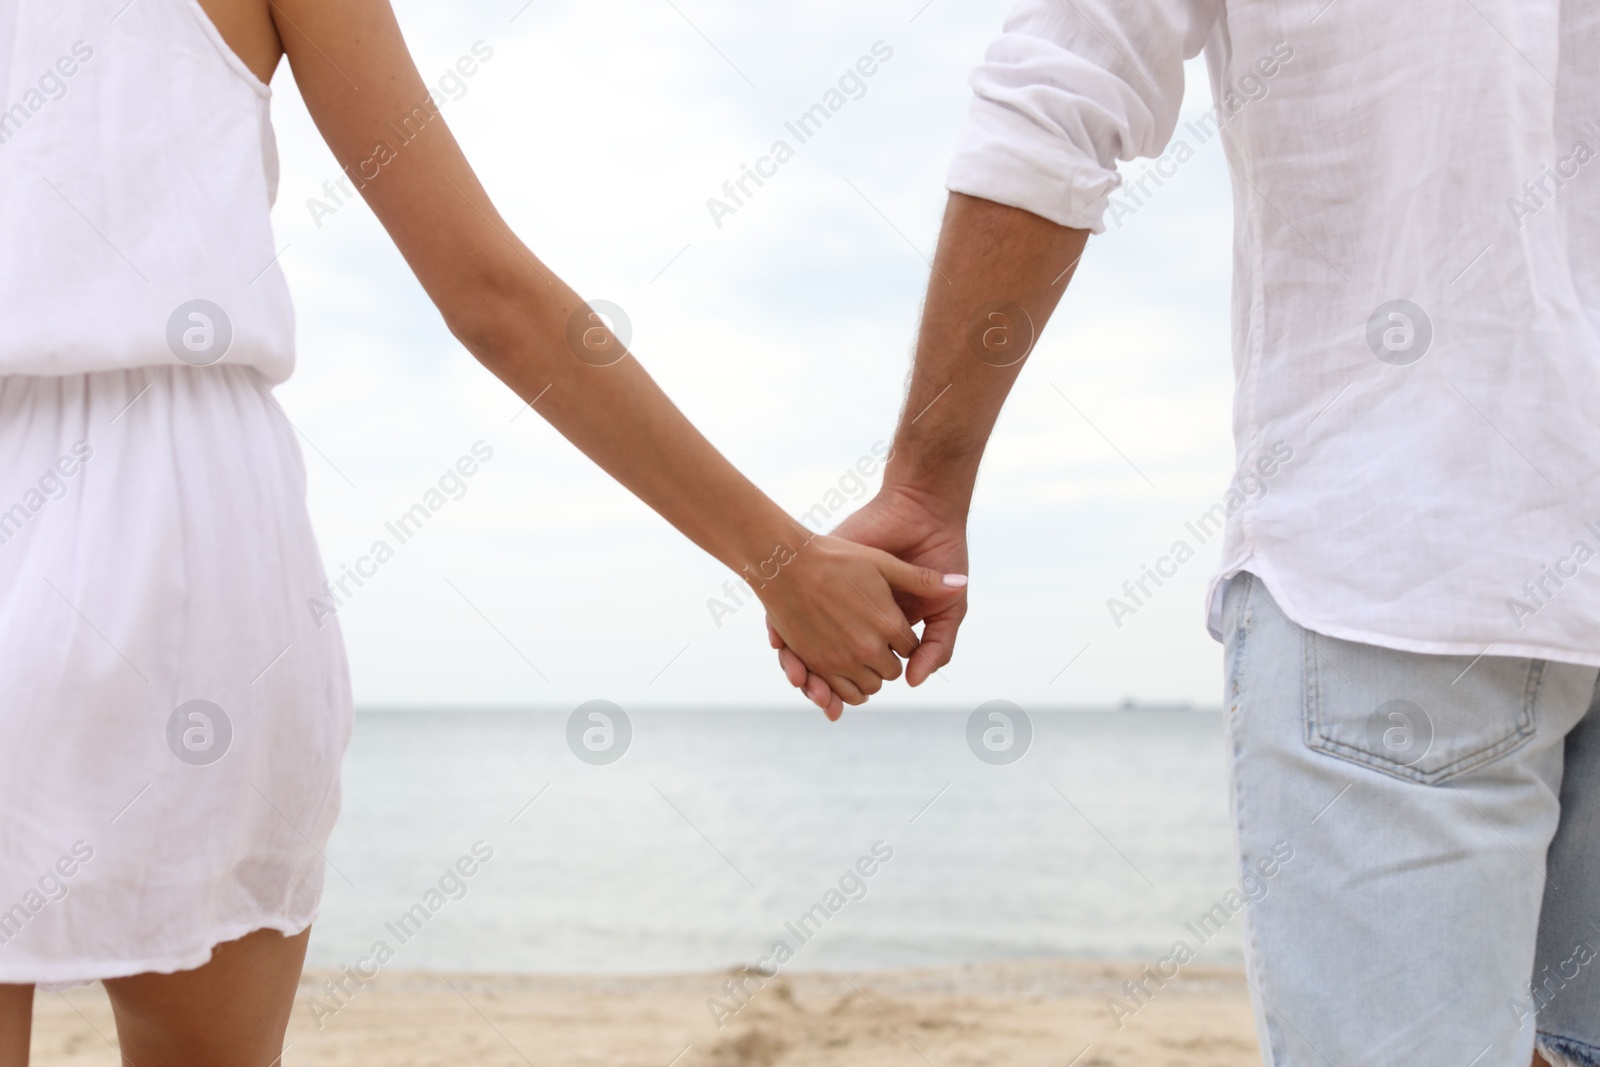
point(927, 532)
point(832, 602)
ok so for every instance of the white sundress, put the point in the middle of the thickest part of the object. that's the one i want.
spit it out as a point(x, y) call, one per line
point(171, 716)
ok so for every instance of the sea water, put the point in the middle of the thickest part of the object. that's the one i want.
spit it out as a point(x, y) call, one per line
point(480, 840)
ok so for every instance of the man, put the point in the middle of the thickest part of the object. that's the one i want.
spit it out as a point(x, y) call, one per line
point(1410, 625)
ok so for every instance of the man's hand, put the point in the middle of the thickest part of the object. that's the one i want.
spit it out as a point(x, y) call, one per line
point(922, 531)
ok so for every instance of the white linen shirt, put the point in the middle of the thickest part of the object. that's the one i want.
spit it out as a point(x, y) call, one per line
point(1416, 291)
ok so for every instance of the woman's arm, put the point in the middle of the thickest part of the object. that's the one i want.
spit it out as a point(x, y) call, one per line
point(830, 600)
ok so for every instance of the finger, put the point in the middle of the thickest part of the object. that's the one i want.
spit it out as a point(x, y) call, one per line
point(817, 689)
point(772, 634)
point(824, 698)
point(885, 663)
point(794, 669)
point(919, 581)
point(867, 680)
point(938, 645)
point(847, 690)
point(894, 633)
point(900, 638)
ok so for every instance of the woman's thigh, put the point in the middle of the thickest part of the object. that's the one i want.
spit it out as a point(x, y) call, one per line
point(231, 1012)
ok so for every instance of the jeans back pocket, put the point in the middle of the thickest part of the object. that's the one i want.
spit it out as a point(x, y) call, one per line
point(1422, 718)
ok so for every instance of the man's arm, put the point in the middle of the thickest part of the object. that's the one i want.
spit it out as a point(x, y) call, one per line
point(1064, 92)
point(997, 275)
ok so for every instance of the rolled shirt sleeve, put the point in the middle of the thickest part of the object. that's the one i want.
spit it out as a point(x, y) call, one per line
point(1067, 89)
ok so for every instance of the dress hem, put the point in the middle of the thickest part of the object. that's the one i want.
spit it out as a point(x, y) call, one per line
point(76, 973)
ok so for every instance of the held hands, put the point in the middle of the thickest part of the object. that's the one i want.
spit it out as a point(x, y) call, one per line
point(835, 605)
point(929, 536)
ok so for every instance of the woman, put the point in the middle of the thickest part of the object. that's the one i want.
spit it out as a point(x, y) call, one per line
point(174, 720)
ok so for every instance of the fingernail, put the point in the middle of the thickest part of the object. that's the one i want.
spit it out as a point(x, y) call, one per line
point(955, 581)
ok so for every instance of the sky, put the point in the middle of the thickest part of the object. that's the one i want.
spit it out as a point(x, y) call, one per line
point(601, 129)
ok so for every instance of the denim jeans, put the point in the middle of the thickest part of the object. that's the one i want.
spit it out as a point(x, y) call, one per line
point(1443, 903)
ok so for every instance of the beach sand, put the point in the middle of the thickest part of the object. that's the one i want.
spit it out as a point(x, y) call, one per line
point(1025, 1013)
